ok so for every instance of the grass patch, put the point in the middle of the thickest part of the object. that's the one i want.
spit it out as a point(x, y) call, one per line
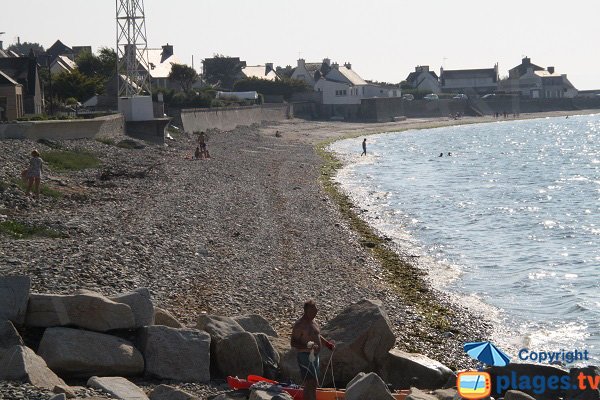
point(408, 280)
point(18, 230)
point(45, 190)
point(70, 160)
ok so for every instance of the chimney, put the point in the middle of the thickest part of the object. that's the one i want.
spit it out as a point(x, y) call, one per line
point(551, 70)
point(526, 61)
point(327, 62)
point(422, 68)
point(268, 67)
point(301, 62)
point(1, 47)
point(335, 66)
point(167, 51)
point(348, 65)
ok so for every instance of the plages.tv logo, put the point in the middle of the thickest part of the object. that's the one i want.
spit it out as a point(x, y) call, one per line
point(478, 384)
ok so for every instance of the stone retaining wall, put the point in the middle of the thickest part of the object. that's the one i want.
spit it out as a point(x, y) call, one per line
point(228, 118)
point(108, 126)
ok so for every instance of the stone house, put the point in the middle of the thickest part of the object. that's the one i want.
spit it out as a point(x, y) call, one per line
point(424, 79)
point(470, 81)
point(533, 81)
point(11, 98)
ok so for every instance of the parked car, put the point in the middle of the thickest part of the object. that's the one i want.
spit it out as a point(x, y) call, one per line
point(489, 95)
point(460, 96)
point(431, 96)
point(408, 97)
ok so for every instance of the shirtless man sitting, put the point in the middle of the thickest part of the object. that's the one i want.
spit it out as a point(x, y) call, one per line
point(306, 337)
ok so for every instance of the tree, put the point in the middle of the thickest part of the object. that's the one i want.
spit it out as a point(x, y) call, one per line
point(222, 70)
point(183, 74)
point(25, 47)
point(77, 85)
point(283, 87)
point(103, 65)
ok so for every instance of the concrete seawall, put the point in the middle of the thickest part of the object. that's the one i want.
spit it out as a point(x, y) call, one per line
point(111, 125)
point(228, 118)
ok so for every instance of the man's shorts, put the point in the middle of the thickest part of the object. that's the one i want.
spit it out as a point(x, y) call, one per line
point(308, 369)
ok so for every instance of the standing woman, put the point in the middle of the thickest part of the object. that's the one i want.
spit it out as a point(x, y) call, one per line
point(34, 173)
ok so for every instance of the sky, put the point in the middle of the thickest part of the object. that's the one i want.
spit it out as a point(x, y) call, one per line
point(383, 39)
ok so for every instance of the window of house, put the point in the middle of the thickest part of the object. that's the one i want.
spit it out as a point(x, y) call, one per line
point(363, 90)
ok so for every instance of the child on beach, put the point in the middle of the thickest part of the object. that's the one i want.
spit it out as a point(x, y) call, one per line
point(34, 173)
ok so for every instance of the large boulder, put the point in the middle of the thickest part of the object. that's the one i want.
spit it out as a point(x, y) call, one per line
point(254, 323)
point(270, 356)
point(266, 391)
point(363, 337)
point(165, 318)
point(416, 394)
point(117, 387)
point(218, 327)
point(166, 392)
point(14, 295)
point(518, 395)
point(288, 362)
point(531, 372)
point(141, 305)
point(238, 355)
point(404, 370)
point(20, 363)
point(176, 354)
point(9, 336)
point(78, 353)
point(85, 309)
point(367, 386)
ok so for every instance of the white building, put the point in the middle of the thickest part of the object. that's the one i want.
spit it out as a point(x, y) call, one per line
point(480, 81)
point(424, 79)
point(160, 62)
point(311, 72)
point(259, 71)
point(62, 64)
point(342, 85)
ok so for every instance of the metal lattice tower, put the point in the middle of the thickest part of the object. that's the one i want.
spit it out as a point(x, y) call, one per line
point(132, 48)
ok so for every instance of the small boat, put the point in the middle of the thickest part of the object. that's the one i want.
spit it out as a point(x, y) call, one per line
point(297, 392)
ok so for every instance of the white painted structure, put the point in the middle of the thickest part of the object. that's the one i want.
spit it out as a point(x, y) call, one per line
point(342, 85)
point(136, 108)
point(424, 79)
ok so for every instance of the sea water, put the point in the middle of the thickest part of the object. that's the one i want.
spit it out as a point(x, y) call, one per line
point(509, 215)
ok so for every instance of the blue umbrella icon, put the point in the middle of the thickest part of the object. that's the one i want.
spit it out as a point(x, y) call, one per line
point(487, 353)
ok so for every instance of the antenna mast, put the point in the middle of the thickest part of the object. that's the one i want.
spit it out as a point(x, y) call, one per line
point(132, 46)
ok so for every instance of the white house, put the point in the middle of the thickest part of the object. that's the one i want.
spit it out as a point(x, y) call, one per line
point(160, 62)
point(481, 81)
point(424, 79)
point(311, 72)
point(342, 85)
point(259, 71)
point(62, 64)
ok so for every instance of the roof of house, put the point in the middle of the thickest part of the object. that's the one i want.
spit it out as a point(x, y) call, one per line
point(21, 69)
point(546, 74)
point(352, 76)
point(5, 79)
point(412, 77)
point(65, 62)
point(469, 73)
point(259, 71)
point(159, 65)
point(522, 68)
point(59, 48)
